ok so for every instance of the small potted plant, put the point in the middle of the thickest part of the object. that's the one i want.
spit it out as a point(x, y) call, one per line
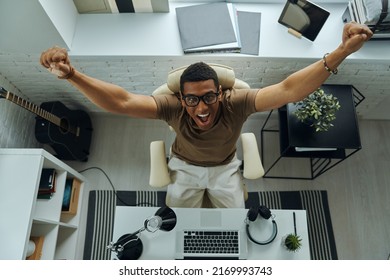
point(292, 242)
point(318, 109)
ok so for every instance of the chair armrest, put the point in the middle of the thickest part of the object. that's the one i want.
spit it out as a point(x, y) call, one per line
point(159, 174)
point(253, 168)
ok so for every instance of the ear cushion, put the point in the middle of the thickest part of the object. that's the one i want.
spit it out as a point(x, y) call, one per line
point(252, 214)
point(264, 212)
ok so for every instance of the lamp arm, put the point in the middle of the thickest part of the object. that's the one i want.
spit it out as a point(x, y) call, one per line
point(123, 241)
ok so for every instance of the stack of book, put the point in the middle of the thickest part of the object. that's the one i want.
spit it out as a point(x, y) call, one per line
point(216, 27)
point(373, 13)
point(47, 183)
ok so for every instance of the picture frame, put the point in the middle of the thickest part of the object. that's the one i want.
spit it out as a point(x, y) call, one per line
point(71, 197)
point(304, 17)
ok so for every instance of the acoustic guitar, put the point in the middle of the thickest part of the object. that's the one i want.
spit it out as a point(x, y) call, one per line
point(67, 131)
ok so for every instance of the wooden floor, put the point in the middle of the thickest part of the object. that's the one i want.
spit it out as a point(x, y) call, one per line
point(358, 188)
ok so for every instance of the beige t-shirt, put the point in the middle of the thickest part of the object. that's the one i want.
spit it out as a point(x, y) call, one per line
point(216, 146)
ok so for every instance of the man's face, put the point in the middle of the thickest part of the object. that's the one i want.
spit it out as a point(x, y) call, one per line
point(203, 114)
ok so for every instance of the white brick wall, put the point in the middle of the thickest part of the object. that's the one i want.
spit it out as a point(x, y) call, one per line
point(17, 124)
point(16, 127)
point(22, 74)
point(144, 74)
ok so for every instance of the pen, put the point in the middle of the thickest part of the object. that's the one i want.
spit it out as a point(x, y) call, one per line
point(295, 224)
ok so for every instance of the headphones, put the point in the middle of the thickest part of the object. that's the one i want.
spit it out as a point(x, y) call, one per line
point(265, 213)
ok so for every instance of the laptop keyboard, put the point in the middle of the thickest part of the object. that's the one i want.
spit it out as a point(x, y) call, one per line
point(211, 242)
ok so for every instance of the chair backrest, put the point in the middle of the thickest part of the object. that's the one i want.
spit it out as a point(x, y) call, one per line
point(226, 77)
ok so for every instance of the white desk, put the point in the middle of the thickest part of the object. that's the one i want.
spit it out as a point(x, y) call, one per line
point(130, 219)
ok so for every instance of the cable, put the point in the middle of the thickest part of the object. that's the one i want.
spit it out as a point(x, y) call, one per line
point(114, 190)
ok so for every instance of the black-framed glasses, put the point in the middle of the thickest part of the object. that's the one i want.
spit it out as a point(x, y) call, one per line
point(208, 98)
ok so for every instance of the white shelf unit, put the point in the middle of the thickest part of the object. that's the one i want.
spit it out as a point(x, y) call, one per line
point(22, 215)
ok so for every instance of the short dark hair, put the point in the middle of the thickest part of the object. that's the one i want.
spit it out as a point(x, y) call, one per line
point(196, 72)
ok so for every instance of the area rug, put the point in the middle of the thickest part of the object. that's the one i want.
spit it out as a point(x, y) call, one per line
point(101, 211)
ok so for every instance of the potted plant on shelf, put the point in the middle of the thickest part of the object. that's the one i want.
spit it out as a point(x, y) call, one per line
point(292, 242)
point(318, 110)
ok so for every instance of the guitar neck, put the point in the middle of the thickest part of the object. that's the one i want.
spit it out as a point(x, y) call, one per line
point(30, 107)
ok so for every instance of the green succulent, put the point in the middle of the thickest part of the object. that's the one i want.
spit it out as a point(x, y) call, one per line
point(319, 108)
point(293, 242)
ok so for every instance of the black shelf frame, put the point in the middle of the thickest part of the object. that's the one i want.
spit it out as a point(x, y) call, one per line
point(320, 161)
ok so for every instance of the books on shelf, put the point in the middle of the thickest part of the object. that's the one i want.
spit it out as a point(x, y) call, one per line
point(373, 13)
point(368, 11)
point(208, 28)
point(47, 183)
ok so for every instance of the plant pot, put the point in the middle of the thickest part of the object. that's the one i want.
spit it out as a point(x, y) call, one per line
point(291, 242)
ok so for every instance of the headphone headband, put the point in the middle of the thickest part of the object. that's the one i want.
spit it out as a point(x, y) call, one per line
point(265, 213)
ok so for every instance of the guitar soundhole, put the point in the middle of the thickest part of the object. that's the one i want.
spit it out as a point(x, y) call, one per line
point(64, 126)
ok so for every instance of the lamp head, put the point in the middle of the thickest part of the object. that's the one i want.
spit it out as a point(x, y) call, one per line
point(166, 217)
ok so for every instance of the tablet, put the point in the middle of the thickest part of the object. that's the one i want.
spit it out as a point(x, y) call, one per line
point(304, 17)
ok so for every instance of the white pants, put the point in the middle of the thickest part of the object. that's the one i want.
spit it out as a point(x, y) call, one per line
point(223, 185)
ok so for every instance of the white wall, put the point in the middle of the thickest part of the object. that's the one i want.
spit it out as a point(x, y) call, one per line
point(26, 28)
point(16, 124)
point(63, 15)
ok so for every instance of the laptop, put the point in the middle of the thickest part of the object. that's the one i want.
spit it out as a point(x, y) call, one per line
point(211, 234)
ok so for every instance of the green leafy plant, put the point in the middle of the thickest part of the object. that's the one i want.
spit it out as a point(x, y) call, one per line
point(319, 109)
point(293, 242)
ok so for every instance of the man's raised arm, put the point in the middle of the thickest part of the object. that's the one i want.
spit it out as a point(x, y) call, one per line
point(303, 82)
point(108, 96)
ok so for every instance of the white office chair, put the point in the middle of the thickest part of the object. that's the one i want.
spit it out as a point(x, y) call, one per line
point(159, 173)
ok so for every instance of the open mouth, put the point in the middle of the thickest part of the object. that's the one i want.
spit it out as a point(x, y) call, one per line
point(204, 117)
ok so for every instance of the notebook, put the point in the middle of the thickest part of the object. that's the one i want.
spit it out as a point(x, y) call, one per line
point(208, 28)
point(249, 30)
point(217, 230)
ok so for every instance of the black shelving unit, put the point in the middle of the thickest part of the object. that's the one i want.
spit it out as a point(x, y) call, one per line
point(323, 150)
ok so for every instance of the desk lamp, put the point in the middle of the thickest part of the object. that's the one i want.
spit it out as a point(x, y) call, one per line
point(129, 246)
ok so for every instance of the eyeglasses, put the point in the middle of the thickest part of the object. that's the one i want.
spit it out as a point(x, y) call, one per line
point(193, 100)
